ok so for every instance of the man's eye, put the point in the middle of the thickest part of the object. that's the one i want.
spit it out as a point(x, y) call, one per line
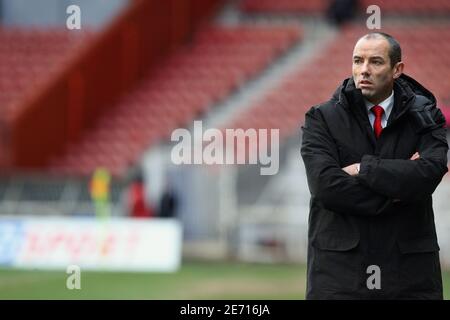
point(377, 63)
point(356, 61)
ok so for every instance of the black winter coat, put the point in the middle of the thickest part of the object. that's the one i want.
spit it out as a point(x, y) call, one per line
point(384, 215)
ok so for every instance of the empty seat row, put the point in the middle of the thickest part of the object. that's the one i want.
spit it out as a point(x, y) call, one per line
point(28, 56)
point(319, 6)
point(185, 87)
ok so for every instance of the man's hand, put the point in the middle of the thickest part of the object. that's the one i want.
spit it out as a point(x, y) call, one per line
point(415, 156)
point(352, 169)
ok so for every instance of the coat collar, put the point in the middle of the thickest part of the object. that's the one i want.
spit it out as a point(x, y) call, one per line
point(405, 91)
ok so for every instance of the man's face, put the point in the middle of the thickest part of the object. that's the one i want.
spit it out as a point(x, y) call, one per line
point(372, 71)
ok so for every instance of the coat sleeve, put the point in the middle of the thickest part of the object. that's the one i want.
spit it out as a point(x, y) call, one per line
point(408, 180)
point(328, 183)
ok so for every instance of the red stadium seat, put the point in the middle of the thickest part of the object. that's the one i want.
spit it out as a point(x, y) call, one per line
point(29, 55)
point(320, 6)
point(184, 88)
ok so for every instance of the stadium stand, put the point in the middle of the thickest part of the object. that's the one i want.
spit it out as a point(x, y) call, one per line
point(187, 82)
point(30, 56)
point(219, 61)
point(320, 6)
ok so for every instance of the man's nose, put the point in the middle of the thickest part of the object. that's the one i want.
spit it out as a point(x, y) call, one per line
point(365, 69)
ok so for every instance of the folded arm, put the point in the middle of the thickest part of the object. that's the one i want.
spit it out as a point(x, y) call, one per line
point(337, 190)
point(405, 179)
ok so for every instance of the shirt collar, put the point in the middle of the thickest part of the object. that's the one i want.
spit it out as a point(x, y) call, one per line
point(386, 104)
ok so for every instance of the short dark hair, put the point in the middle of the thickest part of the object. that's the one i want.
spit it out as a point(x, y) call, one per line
point(395, 51)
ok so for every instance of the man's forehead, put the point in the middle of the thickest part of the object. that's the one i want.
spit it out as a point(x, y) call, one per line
point(371, 47)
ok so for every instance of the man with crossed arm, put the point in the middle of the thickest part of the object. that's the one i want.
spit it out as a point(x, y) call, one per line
point(374, 154)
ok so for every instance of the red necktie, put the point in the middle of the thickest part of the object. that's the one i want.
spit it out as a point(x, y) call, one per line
point(378, 112)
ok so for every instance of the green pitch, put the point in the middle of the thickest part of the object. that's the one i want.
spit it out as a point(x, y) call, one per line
point(195, 280)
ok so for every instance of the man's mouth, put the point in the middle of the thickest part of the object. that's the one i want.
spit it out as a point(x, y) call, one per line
point(365, 84)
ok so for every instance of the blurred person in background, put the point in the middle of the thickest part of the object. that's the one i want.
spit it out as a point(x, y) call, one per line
point(374, 154)
point(168, 203)
point(137, 201)
point(99, 188)
point(341, 11)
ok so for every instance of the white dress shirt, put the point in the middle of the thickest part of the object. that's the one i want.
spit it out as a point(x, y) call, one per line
point(387, 105)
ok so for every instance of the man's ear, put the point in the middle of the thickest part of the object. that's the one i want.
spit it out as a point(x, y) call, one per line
point(398, 69)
